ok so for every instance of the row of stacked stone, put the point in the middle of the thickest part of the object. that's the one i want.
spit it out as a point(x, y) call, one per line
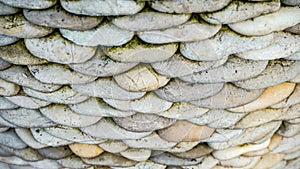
point(157, 84)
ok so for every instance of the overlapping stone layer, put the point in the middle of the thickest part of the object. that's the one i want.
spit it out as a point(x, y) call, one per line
point(128, 84)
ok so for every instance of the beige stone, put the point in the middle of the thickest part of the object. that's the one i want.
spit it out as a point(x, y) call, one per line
point(186, 66)
point(100, 8)
point(30, 4)
point(292, 113)
point(223, 135)
point(101, 128)
point(183, 111)
point(237, 162)
point(19, 55)
point(27, 137)
point(27, 102)
point(113, 146)
point(230, 96)
point(279, 165)
point(291, 100)
point(270, 96)
point(207, 162)
point(8, 88)
point(105, 34)
point(85, 150)
point(58, 74)
point(137, 51)
point(185, 131)
point(62, 114)
point(197, 151)
point(136, 154)
point(150, 103)
point(222, 45)
point(269, 160)
point(238, 11)
point(17, 26)
point(141, 78)
point(109, 89)
point(45, 138)
point(54, 45)
point(64, 95)
point(192, 30)
point(276, 72)
point(57, 17)
point(284, 45)
point(21, 76)
point(235, 69)
point(285, 17)
point(170, 6)
point(96, 107)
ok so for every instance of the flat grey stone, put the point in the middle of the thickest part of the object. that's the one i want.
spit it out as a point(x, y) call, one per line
point(288, 129)
point(283, 18)
point(143, 164)
point(51, 164)
point(295, 163)
point(13, 160)
point(43, 137)
point(235, 69)
point(6, 104)
point(259, 117)
point(292, 113)
point(250, 135)
point(62, 114)
point(4, 64)
point(96, 107)
point(25, 117)
point(183, 111)
point(136, 154)
point(27, 102)
point(222, 45)
point(229, 96)
point(136, 51)
point(6, 123)
point(17, 26)
point(177, 62)
point(52, 46)
point(55, 152)
point(72, 161)
point(6, 40)
point(218, 119)
point(143, 122)
point(7, 10)
point(148, 20)
point(64, 95)
point(294, 29)
point(287, 143)
point(102, 66)
point(101, 128)
point(8, 88)
point(106, 88)
point(285, 44)
point(4, 165)
point(27, 137)
point(192, 30)
point(223, 135)
point(294, 98)
point(152, 141)
point(19, 55)
point(276, 72)
point(207, 162)
point(197, 151)
point(113, 146)
point(106, 34)
point(58, 74)
point(21, 76)
point(100, 8)
point(150, 103)
point(57, 17)
point(180, 91)
point(169, 159)
point(291, 2)
point(72, 134)
point(182, 147)
point(295, 56)
point(238, 11)
point(10, 139)
point(140, 79)
point(171, 6)
point(30, 4)
point(27, 154)
point(109, 159)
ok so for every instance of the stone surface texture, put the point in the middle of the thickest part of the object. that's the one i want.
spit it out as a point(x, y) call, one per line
point(155, 84)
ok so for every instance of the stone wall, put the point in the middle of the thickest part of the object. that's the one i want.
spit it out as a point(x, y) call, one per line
point(176, 84)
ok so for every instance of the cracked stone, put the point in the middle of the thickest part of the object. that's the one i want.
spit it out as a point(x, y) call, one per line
point(17, 26)
point(283, 18)
point(57, 17)
point(54, 45)
point(222, 45)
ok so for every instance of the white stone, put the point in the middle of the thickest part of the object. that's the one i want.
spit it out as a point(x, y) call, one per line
point(27, 102)
point(136, 154)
